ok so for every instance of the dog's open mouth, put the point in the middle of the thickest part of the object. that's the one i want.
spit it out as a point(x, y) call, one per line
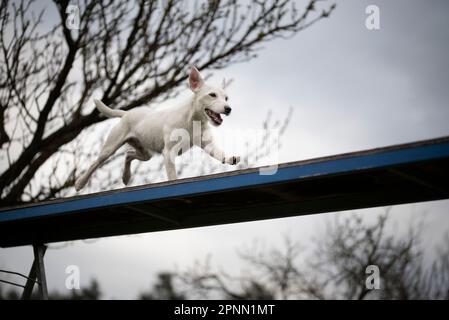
point(215, 117)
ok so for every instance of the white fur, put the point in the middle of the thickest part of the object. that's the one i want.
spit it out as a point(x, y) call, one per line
point(148, 131)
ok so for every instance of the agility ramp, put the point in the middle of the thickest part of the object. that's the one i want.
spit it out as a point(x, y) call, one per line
point(406, 173)
point(397, 174)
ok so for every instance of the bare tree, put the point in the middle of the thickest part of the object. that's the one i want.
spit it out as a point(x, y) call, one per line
point(163, 289)
point(351, 245)
point(128, 53)
point(335, 269)
point(91, 292)
point(270, 274)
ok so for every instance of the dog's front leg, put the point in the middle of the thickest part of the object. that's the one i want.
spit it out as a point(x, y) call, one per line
point(211, 149)
point(170, 167)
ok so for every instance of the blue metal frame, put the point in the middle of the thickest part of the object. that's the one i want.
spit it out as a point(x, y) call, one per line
point(288, 172)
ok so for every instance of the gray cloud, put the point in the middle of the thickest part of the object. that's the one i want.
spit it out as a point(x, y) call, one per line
point(351, 89)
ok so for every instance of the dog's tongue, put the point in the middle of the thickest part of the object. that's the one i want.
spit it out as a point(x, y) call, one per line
point(215, 116)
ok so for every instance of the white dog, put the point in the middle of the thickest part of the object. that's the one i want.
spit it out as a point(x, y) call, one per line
point(149, 131)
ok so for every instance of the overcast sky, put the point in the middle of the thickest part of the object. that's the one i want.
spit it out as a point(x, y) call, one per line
point(351, 89)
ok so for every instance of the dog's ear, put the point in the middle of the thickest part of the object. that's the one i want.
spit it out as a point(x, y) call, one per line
point(195, 80)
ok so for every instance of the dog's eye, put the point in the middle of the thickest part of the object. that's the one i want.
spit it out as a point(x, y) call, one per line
point(213, 95)
point(226, 98)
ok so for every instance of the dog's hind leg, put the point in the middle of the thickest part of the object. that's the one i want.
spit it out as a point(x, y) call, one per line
point(133, 154)
point(170, 168)
point(115, 140)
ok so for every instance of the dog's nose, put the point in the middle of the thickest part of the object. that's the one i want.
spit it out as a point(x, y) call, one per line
point(227, 110)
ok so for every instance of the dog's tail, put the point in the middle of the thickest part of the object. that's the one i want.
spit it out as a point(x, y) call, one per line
point(108, 112)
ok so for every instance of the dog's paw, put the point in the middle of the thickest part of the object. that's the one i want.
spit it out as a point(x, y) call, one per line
point(232, 160)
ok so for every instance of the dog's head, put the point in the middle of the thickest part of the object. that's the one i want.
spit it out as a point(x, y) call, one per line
point(211, 101)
